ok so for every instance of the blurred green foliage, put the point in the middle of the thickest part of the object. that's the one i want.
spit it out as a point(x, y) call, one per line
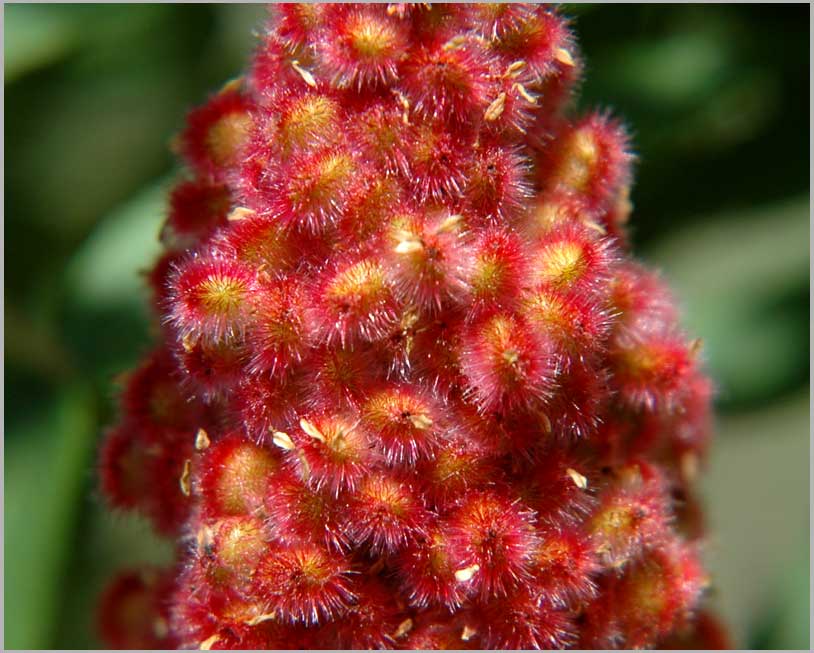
point(717, 101)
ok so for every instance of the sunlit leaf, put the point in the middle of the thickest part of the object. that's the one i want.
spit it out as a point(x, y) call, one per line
point(35, 36)
point(46, 463)
point(726, 270)
point(106, 270)
point(671, 70)
point(756, 496)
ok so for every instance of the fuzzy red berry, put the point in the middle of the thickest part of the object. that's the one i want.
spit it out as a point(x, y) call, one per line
point(304, 583)
point(507, 364)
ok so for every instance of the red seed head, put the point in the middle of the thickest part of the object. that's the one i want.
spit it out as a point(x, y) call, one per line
point(492, 542)
point(497, 188)
point(652, 598)
point(302, 583)
point(362, 47)
point(330, 452)
point(278, 335)
point(303, 121)
point(310, 190)
point(140, 469)
point(295, 25)
point(653, 366)
point(522, 621)
point(385, 513)
point(634, 512)
point(299, 513)
point(210, 298)
point(260, 243)
point(212, 368)
point(449, 81)
point(133, 610)
point(571, 258)
point(506, 363)
point(235, 474)
point(373, 621)
point(438, 630)
point(427, 254)
point(355, 302)
point(463, 459)
point(564, 566)
point(533, 34)
point(404, 424)
point(495, 271)
point(259, 417)
point(227, 551)
point(152, 397)
point(593, 161)
point(338, 378)
point(196, 208)
point(428, 568)
point(217, 132)
point(436, 164)
point(411, 389)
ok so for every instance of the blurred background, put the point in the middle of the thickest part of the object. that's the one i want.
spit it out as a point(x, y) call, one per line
point(717, 98)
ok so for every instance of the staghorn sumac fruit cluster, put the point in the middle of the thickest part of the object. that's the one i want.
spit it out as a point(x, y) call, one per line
point(410, 389)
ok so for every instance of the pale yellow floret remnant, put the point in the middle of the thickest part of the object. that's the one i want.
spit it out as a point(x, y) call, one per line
point(240, 213)
point(579, 480)
point(208, 643)
point(495, 109)
point(408, 243)
point(523, 92)
point(339, 436)
point(185, 482)
point(688, 465)
point(306, 75)
point(623, 205)
point(467, 573)
point(282, 440)
point(311, 430)
point(421, 421)
point(403, 628)
point(514, 69)
point(468, 633)
point(202, 441)
point(160, 627)
point(260, 618)
point(563, 56)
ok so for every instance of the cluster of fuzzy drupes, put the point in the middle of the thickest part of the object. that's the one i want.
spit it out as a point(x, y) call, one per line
point(410, 389)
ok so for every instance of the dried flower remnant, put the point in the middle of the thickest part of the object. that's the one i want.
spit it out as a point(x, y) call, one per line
point(410, 389)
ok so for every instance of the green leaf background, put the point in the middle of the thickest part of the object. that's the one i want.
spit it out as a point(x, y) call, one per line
point(717, 101)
